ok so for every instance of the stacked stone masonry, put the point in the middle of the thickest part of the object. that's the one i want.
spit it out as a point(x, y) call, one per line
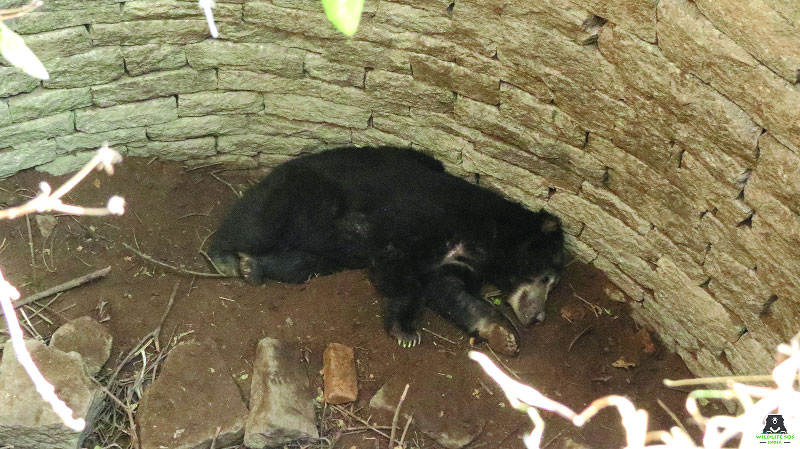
point(666, 134)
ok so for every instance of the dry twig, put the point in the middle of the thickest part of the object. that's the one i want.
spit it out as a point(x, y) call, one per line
point(62, 287)
point(439, 336)
point(171, 267)
point(13, 13)
point(397, 415)
point(577, 337)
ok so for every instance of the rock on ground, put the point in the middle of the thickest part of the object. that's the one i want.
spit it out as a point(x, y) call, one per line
point(46, 224)
point(448, 426)
point(26, 420)
point(281, 400)
point(192, 397)
point(88, 338)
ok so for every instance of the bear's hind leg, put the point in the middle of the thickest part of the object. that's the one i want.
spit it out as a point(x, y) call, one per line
point(291, 266)
point(449, 295)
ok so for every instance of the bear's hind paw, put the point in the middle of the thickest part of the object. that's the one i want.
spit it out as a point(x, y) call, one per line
point(500, 338)
point(248, 269)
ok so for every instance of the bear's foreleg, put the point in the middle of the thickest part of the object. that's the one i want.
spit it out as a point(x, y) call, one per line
point(455, 299)
point(392, 273)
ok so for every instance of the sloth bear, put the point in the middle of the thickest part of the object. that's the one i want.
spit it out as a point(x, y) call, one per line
point(428, 238)
point(774, 424)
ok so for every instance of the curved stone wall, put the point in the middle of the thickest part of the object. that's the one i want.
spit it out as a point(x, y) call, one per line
point(664, 133)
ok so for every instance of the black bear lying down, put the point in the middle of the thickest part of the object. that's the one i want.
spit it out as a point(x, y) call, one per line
point(428, 238)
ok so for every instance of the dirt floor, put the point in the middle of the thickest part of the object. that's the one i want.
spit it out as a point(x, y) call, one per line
point(171, 211)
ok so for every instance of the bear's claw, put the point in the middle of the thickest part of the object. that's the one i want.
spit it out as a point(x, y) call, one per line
point(407, 339)
point(246, 268)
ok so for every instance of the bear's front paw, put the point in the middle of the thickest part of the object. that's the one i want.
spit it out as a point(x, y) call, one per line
point(501, 338)
point(405, 339)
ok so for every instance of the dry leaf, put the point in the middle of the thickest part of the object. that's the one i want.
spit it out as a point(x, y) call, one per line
point(574, 312)
point(621, 363)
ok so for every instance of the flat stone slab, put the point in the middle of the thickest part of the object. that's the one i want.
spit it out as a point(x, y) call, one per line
point(281, 399)
point(450, 427)
point(192, 397)
point(88, 338)
point(26, 420)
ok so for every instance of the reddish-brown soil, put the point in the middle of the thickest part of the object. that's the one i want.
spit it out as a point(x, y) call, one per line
point(171, 211)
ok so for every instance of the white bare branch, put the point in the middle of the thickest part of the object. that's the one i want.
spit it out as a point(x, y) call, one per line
point(48, 201)
point(756, 401)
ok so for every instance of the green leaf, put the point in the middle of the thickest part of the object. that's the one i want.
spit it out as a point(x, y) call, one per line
point(13, 48)
point(344, 14)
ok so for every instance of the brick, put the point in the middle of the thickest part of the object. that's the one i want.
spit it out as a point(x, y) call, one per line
point(250, 145)
point(287, 62)
point(43, 102)
point(175, 151)
point(82, 140)
point(129, 115)
point(171, 9)
point(141, 59)
point(150, 32)
point(405, 90)
point(14, 81)
point(456, 78)
point(40, 21)
point(318, 67)
point(158, 84)
point(98, 66)
point(339, 373)
point(59, 43)
point(13, 160)
point(310, 109)
point(192, 127)
point(219, 102)
point(43, 128)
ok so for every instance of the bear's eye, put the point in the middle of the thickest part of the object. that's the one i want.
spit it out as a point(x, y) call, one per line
point(546, 280)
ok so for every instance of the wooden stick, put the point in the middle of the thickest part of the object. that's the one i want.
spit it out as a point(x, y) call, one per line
point(359, 419)
point(397, 415)
point(61, 287)
point(30, 245)
point(437, 335)
point(171, 267)
point(405, 430)
point(170, 303)
point(672, 415)
point(575, 340)
point(718, 380)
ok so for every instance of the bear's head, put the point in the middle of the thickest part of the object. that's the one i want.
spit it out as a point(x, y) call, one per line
point(539, 261)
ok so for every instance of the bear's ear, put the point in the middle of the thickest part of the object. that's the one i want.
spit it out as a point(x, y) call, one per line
point(550, 225)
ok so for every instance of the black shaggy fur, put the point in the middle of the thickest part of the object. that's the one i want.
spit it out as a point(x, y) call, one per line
point(428, 238)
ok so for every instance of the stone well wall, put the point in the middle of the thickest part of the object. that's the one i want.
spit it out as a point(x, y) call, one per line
point(665, 134)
